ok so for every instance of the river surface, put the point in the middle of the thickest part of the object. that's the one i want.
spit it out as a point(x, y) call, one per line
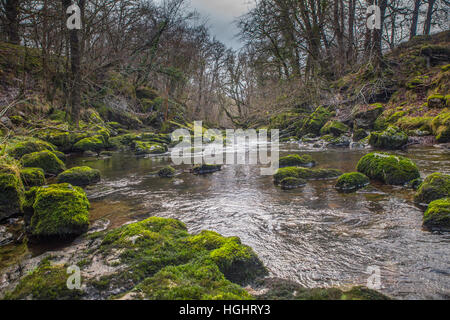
point(313, 235)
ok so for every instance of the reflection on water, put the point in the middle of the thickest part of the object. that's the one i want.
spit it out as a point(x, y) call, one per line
point(313, 235)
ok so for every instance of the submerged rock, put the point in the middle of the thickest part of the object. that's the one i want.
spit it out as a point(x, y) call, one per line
point(79, 176)
point(59, 210)
point(32, 177)
point(292, 183)
point(304, 173)
point(392, 138)
point(206, 168)
point(45, 160)
point(294, 160)
point(11, 195)
point(353, 181)
point(166, 172)
point(437, 216)
point(435, 186)
point(390, 169)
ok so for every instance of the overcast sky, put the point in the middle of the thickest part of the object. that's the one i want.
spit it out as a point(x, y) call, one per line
point(221, 14)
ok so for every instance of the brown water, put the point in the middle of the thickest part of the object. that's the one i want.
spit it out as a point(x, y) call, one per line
point(315, 235)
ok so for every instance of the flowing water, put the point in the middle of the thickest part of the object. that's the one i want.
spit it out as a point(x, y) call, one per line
point(314, 235)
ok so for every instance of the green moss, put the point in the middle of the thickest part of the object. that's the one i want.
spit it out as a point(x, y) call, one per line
point(391, 138)
point(335, 128)
point(359, 134)
point(290, 183)
point(364, 117)
point(314, 123)
point(146, 93)
point(206, 168)
point(437, 216)
point(294, 160)
point(45, 160)
point(11, 195)
point(32, 177)
point(412, 123)
point(166, 172)
point(436, 101)
point(445, 68)
point(390, 169)
point(304, 173)
point(94, 144)
point(63, 140)
point(46, 282)
point(441, 127)
point(79, 176)
point(59, 210)
point(352, 182)
point(141, 148)
point(26, 146)
point(435, 186)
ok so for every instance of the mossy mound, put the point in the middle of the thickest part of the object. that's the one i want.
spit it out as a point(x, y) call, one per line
point(46, 282)
point(142, 147)
point(359, 134)
point(29, 145)
point(166, 172)
point(441, 127)
point(93, 144)
point(436, 101)
point(62, 140)
point(80, 176)
point(352, 181)
point(59, 210)
point(304, 173)
point(392, 138)
point(206, 168)
point(390, 169)
point(335, 128)
point(294, 160)
point(435, 186)
point(32, 177)
point(437, 216)
point(11, 195)
point(45, 160)
point(290, 183)
point(314, 123)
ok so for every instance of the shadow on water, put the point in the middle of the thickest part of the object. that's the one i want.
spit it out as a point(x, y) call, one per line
point(313, 235)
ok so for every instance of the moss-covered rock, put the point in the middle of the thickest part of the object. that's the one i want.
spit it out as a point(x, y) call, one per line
point(359, 134)
point(80, 176)
point(437, 216)
point(441, 127)
point(59, 210)
point(435, 186)
point(436, 101)
point(94, 144)
point(335, 128)
point(314, 123)
point(305, 173)
point(32, 177)
point(352, 181)
point(46, 282)
point(166, 172)
point(45, 160)
point(290, 183)
point(142, 147)
point(365, 116)
point(61, 139)
point(390, 169)
point(11, 195)
point(19, 148)
point(392, 138)
point(294, 160)
point(206, 168)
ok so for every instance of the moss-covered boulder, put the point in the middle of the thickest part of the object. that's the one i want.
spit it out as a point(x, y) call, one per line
point(93, 144)
point(166, 172)
point(353, 181)
point(79, 176)
point(436, 101)
point(435, 186)
point(18, 149)
point(335, 128)
point(359, 134)
point(45, 160)
point(364, 117)
point(59, 210)
point(142, 147)
point(390, 169)
point(61, 139)
point(32, 177)
point(290, 183)
point(305, 173)
point(314, 123)
point(46, 282)
point(295, 160)
point(11, 195)
point(441, 127)
point(206, 168)
point(392, 138)
point(437, 216)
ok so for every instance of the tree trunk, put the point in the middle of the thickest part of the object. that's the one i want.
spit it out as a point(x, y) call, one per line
point(12, 18)
point(351, 36)
point(378, 33)
point(427, 25)
point(415, 18)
